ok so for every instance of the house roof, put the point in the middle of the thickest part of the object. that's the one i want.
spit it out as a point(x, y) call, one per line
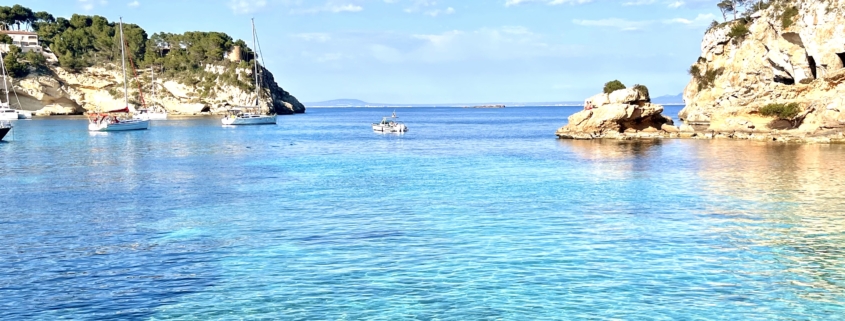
point(17, 32)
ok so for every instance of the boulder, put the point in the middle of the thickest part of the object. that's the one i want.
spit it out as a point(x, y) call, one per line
point(615, 121)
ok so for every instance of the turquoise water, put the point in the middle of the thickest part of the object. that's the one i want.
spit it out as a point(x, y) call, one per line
point(474, 214)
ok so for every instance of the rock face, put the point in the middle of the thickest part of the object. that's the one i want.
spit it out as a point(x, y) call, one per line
point(98, 89)
point(780, 60)
point(622, 114)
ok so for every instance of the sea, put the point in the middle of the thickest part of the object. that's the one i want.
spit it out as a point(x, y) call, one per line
point(473, 214)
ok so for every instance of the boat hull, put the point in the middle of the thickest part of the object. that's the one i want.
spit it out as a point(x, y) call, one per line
point(24, 114)
point(4, 131)
point(8, 115)
point(389, 129)
point(258, 120)
point(121, 126)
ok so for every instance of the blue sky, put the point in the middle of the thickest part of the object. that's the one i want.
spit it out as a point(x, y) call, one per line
point(443, 51)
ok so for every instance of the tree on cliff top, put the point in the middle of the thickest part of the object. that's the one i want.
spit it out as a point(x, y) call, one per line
point(612, 86)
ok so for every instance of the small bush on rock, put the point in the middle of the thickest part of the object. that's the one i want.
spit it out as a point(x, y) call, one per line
point(788, 17)
point(738, 31)
point(782, 111)
point(613, 85)
point(643, 90)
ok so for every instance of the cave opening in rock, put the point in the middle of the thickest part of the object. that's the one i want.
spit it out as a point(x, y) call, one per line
point(784, 80)
point(841, 56)
point(813, 70)
point(205, 109)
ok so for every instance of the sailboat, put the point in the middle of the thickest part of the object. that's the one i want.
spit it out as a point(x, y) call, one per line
point(111, 120)
point(6, 111)
point(251, 115)
point(156, 112)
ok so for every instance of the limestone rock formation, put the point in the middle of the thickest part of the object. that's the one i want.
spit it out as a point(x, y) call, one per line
point(100, 88)
point(780, 60)
point(622, 114)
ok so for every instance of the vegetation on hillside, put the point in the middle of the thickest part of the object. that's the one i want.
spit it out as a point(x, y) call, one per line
point(85, 41)
point(781, 111)
point(612, 86)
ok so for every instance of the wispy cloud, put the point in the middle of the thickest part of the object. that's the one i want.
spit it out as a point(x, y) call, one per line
point(246, 6)
point(133, 4)
point(89, 5)
point(329, 7)
point(635, 25)
point(509, 3)
point(639, 2)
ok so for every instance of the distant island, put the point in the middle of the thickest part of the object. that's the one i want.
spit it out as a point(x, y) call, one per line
point(487, 106)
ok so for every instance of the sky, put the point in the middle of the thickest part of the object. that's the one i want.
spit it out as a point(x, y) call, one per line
point(442, 51)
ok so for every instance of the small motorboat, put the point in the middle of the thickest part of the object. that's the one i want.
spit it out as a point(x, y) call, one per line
point(390, 125)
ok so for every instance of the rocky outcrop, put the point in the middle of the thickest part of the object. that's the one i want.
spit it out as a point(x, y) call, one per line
point(622, 114)
point(780, 60)
point(99, 88)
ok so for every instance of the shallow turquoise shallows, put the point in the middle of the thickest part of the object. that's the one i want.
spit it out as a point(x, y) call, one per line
point(474, 214)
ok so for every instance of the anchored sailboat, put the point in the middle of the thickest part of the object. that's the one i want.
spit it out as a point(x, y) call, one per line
point(113, 120)
point(155, 112)
point(251, 115)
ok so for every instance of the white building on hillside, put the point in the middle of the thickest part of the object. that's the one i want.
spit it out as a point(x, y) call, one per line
point(27, 41)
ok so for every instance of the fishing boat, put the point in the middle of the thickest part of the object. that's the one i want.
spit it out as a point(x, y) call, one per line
point(5, 127)
point(155, 112)
point(390, 125)
point(115, 120)
point(251, 115)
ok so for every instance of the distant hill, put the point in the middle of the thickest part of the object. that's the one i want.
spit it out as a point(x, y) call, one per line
point(339, 103)
point(361, 103)
point(669, 100)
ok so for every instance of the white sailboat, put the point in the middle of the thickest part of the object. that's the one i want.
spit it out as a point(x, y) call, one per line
point(112, 120)
point(155, 112)
point(251, 115)
point(6, 111)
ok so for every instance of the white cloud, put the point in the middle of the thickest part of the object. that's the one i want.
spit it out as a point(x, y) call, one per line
point(676, 4)
point(89, 5)
point(621, 24)
point(488, 44)
point(633, 25)
point(246, 6)
point(509, 3)
point(314, 37)
point(639, 2)
point(330, 6)
point(134, 4)
point(437, 12)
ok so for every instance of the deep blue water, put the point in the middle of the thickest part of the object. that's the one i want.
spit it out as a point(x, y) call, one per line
point(474, 214)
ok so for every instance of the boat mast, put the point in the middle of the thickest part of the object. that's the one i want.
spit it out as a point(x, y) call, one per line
point(123, 64)
point(255, 65)
point(5, 85)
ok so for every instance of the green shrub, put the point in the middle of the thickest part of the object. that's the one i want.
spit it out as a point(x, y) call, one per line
point(709, 78)
point(694, 71)
point(787, 18)
point(613, 85)
point(643, 90)
point(782, 111)
point(738, 31)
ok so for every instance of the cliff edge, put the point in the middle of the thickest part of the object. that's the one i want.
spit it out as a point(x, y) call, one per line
point(779, 70)
point(61, 91)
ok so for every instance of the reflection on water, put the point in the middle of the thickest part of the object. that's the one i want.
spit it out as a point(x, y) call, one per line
point(796, 223)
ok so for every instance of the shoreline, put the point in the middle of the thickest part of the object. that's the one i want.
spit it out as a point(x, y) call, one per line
point(832, 136)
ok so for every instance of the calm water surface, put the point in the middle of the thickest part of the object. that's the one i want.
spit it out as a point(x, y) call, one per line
point(474, 214)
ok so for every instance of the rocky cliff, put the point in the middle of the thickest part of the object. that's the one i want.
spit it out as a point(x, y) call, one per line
point(792, 51)
point(60, 91)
